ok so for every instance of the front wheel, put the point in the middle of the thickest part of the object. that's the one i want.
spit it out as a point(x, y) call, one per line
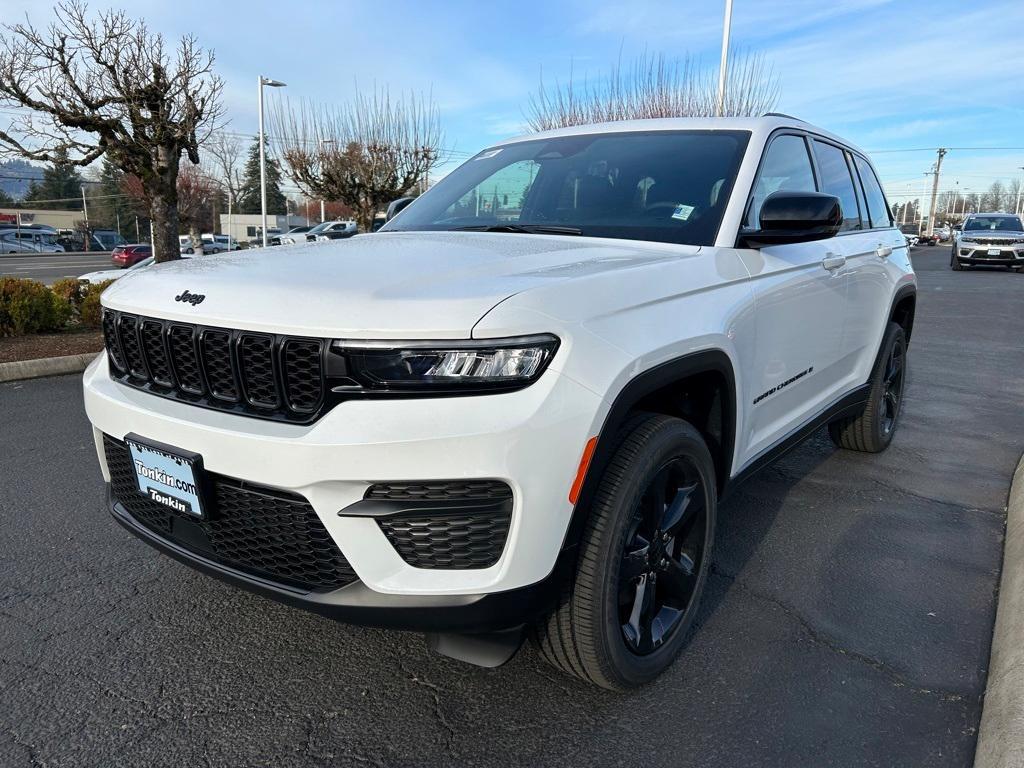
point(872, 430)
point(643, 561)
point(954, 262)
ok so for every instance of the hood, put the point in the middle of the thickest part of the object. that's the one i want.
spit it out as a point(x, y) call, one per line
point(384, 285)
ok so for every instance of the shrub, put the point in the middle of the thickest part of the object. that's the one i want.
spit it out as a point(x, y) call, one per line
point(28, 306)
point(70, 290)
point(90, 311)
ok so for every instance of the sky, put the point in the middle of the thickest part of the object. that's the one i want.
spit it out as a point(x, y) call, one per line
point(889, 76)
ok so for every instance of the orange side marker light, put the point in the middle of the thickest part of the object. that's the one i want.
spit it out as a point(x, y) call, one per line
point(581, 473)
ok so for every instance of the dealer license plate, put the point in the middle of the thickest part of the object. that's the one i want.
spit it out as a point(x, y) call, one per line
point(167, 476)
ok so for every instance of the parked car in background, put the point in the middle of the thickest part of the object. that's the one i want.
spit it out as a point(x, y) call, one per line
point(99, 240)
point(520, 414)
point(129, 255)
point(219, 243)
point(105, 240)
point(331, 230)
point(339, 230)
point(944, 234)
point(293, 235)
point(989, 239)
point(26, 240)
point(925, 239)
point(101, 276)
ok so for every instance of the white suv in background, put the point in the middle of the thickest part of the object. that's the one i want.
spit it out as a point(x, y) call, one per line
point(516, 407)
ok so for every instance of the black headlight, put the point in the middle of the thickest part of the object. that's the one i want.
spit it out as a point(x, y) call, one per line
point(451, 367)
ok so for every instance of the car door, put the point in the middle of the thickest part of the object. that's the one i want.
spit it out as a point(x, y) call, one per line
point(881, 260)
point(800, 300)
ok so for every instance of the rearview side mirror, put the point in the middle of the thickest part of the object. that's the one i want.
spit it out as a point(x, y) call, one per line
point(395, 207)
point(795, 217)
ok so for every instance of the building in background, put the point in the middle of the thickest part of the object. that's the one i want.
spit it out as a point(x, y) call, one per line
point(60, 220)
point(246, 226)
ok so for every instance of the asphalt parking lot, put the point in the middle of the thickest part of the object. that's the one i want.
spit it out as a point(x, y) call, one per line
point(48, 267)
point(847, 621)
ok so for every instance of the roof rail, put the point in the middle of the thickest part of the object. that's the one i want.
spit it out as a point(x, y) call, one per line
point(782, 114)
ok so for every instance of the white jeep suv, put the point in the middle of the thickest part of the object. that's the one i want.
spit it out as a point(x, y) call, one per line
point(514, 410)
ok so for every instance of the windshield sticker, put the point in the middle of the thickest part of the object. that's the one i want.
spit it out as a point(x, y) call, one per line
point(682, 212)
point(486, 154)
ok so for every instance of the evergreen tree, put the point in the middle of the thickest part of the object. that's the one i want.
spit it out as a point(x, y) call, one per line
point(108, 202)
point(249, 192)
point(61, 182)
point(5, 199)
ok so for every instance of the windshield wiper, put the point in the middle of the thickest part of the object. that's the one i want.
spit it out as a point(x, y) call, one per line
point(529, 229)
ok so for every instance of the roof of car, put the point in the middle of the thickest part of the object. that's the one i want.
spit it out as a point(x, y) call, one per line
point(757, 126)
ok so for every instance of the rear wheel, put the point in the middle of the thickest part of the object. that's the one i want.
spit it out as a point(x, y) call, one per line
point(643, 561)
point(872, 430)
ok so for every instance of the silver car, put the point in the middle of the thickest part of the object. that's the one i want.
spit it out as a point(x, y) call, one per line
point(989, 239)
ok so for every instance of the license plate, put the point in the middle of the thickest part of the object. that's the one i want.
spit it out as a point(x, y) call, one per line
point(994, 252)
point(167, 476)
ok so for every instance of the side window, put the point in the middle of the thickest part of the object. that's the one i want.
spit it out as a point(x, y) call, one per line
point(877, 208)
point(786, 166)
point(836, 180)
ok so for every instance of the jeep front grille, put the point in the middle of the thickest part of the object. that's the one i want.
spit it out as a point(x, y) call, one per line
point(262, 375)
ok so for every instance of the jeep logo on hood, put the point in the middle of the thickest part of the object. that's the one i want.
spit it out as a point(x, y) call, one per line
point(191, 298)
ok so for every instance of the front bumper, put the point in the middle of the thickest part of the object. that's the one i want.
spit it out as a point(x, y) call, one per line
point(531, 440)
point(357, 604)
point(1008, 256)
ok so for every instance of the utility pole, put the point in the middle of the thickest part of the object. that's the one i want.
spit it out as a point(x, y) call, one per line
point(935, 192)
point(1016, 206)
point(85, 212)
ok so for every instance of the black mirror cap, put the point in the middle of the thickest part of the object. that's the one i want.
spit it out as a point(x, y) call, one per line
point(395, 207)
point(796, 217)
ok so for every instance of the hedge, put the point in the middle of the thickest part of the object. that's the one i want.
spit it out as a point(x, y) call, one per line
point(28, 306)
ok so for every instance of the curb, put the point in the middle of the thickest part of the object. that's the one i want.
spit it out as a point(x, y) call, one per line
point(45, 366)
point(1001, 736)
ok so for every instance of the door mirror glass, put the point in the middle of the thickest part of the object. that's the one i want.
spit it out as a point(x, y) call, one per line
point(795, 217)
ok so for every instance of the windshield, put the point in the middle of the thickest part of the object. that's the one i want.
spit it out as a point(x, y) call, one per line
point(319, 227)
point(144, 263)
point(994, 224)
point(109, 239)
point(663, 186)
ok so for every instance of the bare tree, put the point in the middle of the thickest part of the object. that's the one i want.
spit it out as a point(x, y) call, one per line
point(995, 198)
point(363, 154)
point(107, 85)
point(226, 152)
point(653, 86)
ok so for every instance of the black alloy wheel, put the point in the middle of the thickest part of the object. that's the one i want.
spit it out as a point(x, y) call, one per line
point(892, 392)
point(662, 557)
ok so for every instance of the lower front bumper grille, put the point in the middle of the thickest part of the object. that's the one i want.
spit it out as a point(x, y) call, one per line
point(271, 534)
point(442, 524)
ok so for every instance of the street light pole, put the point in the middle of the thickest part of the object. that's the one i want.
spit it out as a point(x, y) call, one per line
point(263, 160)
point(723, 64)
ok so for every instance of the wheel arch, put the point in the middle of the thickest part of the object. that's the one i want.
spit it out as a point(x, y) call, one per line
point(699, 387)
point(904, 305)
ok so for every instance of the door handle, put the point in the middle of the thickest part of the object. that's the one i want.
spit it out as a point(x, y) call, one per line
point(884, 251)
point(833, 261)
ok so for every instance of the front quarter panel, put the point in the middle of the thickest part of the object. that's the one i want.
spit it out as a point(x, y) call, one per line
point(614, 327)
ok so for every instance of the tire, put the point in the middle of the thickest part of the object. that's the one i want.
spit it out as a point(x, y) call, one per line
point(954, 262)
point(604, 630)
point(872, 430)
